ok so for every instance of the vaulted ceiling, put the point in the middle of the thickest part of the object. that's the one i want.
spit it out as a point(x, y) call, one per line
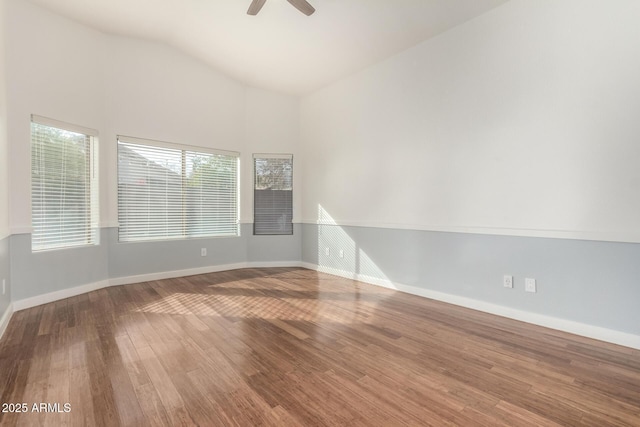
point(279, 49)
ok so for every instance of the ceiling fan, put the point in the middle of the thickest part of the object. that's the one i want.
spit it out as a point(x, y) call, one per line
point(302, 5)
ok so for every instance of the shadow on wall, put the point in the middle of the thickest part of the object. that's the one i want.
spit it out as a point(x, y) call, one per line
point(338, 253)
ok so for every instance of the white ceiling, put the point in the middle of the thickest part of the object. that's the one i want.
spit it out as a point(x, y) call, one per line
point(280, 48)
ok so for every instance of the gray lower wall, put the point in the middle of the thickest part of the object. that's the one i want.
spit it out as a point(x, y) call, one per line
point(34, 274)
point(132, 259)
point(5, 273)
point(274, 248)
point(594, 283)
point(37, 273)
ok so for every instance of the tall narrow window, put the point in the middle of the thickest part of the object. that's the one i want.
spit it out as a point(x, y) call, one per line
point(168, 191)
point(273, 194)
point(64, 185)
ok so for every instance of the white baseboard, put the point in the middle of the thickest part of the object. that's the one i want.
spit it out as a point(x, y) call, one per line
point(577, 328)
point(82, 289)
point(4, 320)
point(58, 295)
point(200, 270)
point(173, 274)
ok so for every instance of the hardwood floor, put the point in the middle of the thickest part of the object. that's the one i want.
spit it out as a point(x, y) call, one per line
point(296, 347)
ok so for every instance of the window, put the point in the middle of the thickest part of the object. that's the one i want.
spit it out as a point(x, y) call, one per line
point(273, 194)
point(168, 191)
point(64, 185)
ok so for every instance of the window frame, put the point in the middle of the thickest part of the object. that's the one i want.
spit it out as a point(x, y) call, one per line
point(92, 193)
point(185, 151)
point(272, 156)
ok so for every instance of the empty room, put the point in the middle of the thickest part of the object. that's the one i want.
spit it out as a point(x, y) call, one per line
point(320, 212)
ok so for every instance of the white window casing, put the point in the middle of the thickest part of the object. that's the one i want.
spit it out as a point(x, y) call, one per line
point(273, 194)
point(64, 185)
point(170, 191)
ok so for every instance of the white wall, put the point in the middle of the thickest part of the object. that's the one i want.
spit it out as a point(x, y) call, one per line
point(522, 121)
point(158, 93)
point(4, 144)
point(55, 69)
point(272, 126)
point(117, 85)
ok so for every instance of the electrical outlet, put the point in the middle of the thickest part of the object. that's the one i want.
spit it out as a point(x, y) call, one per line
point(507, 281)
point(326, 251)
point(530, 285)
point(341, 253)
point(203, 252)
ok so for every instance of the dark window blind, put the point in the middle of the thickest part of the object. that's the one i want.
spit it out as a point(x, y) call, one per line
point(273, 194)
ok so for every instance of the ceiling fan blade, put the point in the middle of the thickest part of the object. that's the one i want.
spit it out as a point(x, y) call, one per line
point(303, 6)
point(255, 7)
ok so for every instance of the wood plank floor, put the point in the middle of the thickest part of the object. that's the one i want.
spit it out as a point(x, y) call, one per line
point(296, 347)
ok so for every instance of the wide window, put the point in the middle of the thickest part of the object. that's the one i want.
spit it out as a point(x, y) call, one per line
point(273, 194)
point(64, 185)
point(168, 191)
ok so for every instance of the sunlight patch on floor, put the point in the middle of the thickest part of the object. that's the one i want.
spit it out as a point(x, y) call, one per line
point(262, 307)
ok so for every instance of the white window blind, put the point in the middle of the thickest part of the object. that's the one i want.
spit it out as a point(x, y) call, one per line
point(64, 185)
point(169, 191)
point(273, 194)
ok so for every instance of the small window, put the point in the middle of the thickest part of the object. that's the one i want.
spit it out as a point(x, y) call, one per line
point(273, 194)
point(64, 185)
point(169, 191)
